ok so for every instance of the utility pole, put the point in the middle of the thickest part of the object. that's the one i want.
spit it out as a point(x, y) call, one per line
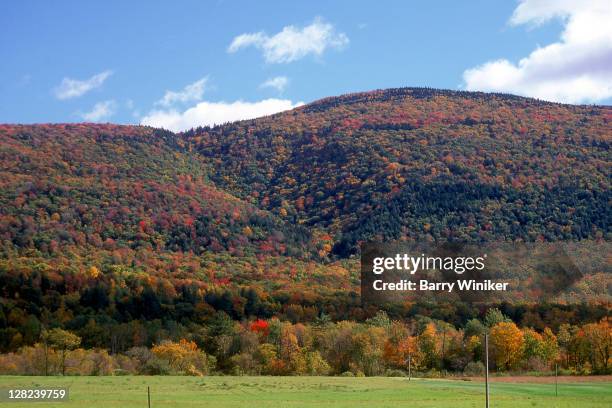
point(46, 356)
point(487, 369)
point(556, 380)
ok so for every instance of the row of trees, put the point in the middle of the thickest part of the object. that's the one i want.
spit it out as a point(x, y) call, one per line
point(59, 354)
point(379, 346)
point(121, 299)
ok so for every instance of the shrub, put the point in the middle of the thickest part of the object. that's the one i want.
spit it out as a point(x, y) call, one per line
point(395, 373)
point(474, 369)
point(156, 366)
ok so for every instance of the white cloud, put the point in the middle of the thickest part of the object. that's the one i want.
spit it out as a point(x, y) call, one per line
point(73, 88)
point(101, 110)
point(292, 43)
point(212, 113)
point(575, 69)
point(246, 40)
point(191, 93)
point(279, 83)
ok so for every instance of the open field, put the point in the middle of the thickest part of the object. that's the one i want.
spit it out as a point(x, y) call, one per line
point(222, 392)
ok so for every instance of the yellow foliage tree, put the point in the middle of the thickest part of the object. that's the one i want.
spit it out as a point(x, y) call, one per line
point(182, 356)
point(507, 344)
point(94, 272)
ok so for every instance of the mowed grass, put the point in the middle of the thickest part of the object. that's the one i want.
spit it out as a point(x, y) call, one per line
point(282, 392)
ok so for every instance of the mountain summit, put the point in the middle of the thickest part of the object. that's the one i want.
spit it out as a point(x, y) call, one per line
point(416, 163)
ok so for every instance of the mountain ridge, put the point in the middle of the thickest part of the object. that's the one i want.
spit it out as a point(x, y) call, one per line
point(352, 97)
point(428, 91)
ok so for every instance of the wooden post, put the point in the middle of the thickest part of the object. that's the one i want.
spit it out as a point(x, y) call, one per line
point(409, 366)
point(487, 370)
point(149, 395)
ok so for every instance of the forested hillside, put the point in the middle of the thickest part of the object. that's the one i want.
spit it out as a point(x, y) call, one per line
point(423, 164)
point(121, 222)
point(130, 236)
point(109, 187)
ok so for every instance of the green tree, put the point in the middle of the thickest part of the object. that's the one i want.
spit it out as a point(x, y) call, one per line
point(474, 327)
point(494, 317)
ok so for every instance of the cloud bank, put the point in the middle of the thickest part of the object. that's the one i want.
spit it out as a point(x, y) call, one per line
point(215, 113)
point(73, 88)
point(292, 43)
point(575, 69)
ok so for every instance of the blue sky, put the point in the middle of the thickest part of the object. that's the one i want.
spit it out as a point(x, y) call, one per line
point(173, 64)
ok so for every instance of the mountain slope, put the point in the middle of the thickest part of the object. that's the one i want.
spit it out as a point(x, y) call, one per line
point(102, 222)
point(423, 164)
point(112, 187)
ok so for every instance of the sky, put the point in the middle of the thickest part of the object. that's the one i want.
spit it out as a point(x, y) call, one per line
point(181, 64)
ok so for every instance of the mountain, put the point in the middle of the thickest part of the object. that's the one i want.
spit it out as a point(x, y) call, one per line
point(104, 225)
point(423, 164)
point(395, 164)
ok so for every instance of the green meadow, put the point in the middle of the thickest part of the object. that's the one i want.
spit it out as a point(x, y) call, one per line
point(277, 392)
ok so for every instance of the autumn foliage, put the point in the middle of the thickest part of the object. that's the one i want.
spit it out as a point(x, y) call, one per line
point(234, 248)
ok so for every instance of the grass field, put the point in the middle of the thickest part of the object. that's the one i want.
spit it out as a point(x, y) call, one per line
point(281, 392)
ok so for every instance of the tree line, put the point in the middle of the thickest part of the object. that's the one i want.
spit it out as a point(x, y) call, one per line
point(377, 346)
